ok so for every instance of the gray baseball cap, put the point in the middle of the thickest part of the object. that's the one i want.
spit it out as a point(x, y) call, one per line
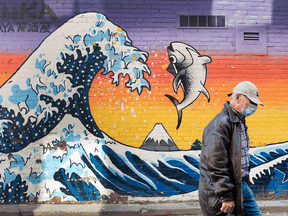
point(249, 90)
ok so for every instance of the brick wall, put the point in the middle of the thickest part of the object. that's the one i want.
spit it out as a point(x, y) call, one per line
point(129, 117)
point(154, 24)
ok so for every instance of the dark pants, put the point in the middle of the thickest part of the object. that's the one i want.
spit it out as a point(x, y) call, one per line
point(250, 206)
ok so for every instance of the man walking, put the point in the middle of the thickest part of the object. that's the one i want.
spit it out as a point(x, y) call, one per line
point(224, 161)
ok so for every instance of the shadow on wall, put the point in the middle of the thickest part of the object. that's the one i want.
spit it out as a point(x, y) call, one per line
point(152, 14)
point(279, 11)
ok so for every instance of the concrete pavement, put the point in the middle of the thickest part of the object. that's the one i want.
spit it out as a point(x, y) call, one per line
point(273, 207)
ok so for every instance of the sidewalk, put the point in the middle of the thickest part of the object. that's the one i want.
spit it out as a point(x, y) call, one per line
point(189, 208)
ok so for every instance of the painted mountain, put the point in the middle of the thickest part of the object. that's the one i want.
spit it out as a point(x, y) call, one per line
point(159, 140)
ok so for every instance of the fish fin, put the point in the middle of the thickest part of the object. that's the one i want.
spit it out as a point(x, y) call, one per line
point(176, 83)
point(205, 92)
point(179, 111)
point(205, 59)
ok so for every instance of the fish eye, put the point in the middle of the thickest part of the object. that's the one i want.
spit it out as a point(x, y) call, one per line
point(172, 59)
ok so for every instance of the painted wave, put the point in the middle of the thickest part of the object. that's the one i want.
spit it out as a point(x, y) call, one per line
point(76, 167)
point(55, 79)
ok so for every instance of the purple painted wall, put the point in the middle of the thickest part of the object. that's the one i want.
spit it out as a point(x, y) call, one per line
point(151, 24)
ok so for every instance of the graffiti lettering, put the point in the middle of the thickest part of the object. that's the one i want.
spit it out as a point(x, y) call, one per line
point(25, 11)
point(6, 28)
point(42, 27)
point(46, 10)
point(21, 27)
point(33, 27)
point(45, 27)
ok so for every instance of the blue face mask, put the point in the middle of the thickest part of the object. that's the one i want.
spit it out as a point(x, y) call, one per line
point(249, 110)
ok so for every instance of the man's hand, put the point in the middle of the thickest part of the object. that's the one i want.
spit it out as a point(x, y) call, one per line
point(228, 207)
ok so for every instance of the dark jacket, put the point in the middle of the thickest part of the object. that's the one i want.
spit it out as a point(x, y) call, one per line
point(220, 163)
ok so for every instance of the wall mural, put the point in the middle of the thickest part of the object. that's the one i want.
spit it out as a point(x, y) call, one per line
point(52, 147)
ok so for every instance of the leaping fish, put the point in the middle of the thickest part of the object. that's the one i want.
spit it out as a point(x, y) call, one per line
point(190, 71)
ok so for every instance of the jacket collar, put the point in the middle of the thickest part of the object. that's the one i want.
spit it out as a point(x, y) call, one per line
point(231, 114)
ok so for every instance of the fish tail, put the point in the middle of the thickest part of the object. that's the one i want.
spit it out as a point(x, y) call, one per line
point(179, 111)
point(205, 92)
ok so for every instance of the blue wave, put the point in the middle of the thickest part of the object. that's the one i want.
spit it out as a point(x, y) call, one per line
point(77, 188)
point(141, 179)
point(14, 192)
point(57, 81)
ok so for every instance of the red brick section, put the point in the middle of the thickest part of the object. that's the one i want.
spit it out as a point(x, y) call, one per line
point(269, 73)
point(9, 63)
point(235, 67)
